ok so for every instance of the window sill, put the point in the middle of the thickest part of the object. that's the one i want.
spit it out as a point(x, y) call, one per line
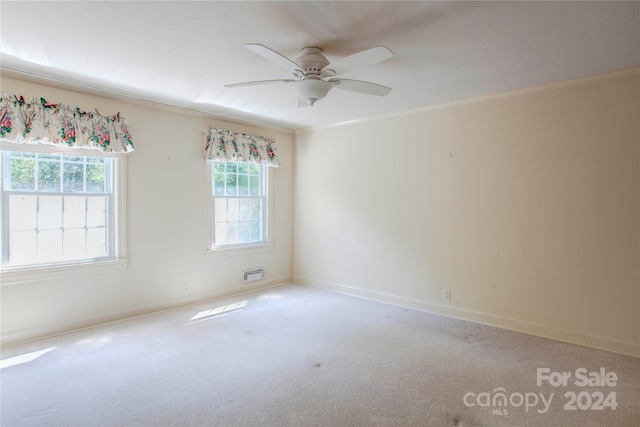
point(12, 277)
point(240, 250)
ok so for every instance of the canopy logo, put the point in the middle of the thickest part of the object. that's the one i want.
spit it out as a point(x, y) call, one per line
point(599, 397)
point(499, 401)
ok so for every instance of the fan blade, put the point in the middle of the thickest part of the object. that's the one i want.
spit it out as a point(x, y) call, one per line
point(359, 60)
point(360, 86)
point(273, 56)
point(260, 82)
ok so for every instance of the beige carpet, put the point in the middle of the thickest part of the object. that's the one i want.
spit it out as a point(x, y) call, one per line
point(298, 356)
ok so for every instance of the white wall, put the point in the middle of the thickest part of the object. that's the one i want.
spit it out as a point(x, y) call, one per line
point(525, 206)
point(166, 226)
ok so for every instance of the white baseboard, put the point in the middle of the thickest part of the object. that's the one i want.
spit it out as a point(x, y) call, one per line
point(559, 334)
point(59, 328)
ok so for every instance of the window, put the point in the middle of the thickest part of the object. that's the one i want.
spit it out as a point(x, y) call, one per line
point(57, 209)
point(238, 204)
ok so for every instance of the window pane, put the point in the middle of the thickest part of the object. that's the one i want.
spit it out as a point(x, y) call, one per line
point(256, 209)
point(96, 160)
point(23, 211)
point(49, 212)
point(254, 169)
point(96, 211)
point(245, 209)
point(74, 212)
point(256, 231)
point(95, 178)
point(243, 185)
point(22, 246)
point(49, 245)
point(218, 184)
point(243, 168)
point(73, 244)
point(231, 167)
point(220, 214)
point(220, 234)
point(23, 173)
point(233, 209)
point(232, 233)
point(232, 182)
point(72, 177)
point(96, 242)
point(22, 155)
point(254, 185)
point(48, 176)
point(245, 232)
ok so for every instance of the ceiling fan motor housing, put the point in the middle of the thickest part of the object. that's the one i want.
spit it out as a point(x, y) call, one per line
point(311, 60)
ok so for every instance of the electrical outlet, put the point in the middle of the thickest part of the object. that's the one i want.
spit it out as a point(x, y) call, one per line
point(186, 286)
point(446, 294)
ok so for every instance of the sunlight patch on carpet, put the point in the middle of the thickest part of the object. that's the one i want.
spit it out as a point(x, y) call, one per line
point(23, 358)
point(218, 311)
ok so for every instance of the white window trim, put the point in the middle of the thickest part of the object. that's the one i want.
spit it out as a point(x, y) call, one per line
point(35, 274)
point(79, 268)
point(241, 249)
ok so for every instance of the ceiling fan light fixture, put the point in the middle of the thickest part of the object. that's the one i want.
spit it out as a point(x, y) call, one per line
point(311, 90)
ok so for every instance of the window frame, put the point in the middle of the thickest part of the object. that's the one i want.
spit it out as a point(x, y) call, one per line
point(117, 222)
point(266, 244)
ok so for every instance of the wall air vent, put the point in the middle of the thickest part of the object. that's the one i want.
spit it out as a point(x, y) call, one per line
point(252, 275)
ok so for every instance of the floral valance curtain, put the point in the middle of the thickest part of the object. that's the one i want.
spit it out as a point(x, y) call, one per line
point(226, 145)
point(41, 122)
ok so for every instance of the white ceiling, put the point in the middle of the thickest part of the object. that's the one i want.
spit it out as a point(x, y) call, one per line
point(183, 52)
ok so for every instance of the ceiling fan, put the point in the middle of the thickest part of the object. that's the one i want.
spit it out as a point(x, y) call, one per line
point(314, 74)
